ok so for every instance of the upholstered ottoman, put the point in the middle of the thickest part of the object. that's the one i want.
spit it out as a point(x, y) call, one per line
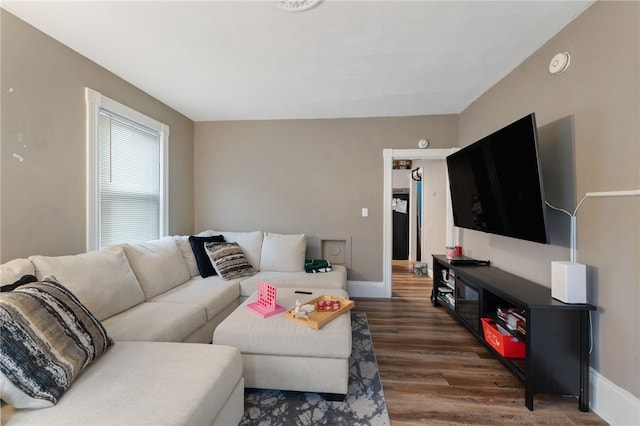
point(278, 353)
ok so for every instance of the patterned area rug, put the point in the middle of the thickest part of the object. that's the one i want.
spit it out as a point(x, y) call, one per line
point(363, 405)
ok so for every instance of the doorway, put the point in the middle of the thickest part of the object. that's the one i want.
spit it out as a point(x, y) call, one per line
point(406, 204)
point(407, 154)
point(401, 224)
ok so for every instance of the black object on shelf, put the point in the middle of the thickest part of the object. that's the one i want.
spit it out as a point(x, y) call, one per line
point(468, 261)
point(557, 333)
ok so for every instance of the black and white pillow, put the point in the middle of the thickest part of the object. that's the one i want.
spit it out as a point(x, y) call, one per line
point(229, 260)
point(47, 337)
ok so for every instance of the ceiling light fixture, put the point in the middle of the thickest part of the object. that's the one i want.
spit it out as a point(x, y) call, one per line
point(296, 5)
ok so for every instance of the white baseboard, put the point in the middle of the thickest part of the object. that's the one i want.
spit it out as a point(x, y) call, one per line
point(365, 289)
point(613, 404)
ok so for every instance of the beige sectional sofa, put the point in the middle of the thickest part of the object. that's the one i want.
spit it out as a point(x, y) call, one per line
point(151, 300)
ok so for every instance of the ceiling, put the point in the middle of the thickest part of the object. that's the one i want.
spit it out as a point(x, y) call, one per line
point(242, 60)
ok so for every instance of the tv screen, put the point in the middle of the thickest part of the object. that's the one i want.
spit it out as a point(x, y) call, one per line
point(496, 184)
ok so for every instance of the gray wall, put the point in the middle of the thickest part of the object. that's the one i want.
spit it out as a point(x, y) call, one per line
point(43, 207)
point(308, 176)
point(589, 141)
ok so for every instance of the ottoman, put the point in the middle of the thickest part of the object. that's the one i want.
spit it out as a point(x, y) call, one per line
point(278, 353)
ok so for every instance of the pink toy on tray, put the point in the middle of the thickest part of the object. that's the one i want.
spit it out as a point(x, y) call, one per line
point(266, 305)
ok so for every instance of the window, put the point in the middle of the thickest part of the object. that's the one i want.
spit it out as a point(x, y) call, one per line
point(127, 190)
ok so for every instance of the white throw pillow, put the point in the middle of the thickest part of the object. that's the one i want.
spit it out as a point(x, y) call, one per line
point(158, 264)
point(13, 270)
point(283, 252)
point(187, 252)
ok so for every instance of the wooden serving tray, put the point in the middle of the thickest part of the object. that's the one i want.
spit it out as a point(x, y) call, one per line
point(318, 319)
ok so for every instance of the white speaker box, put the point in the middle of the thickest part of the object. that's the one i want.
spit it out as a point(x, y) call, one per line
point(569, 282)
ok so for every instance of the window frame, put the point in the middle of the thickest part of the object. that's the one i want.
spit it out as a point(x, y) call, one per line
point(95, 102)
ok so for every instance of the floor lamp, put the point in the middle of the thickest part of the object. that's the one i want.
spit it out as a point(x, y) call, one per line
point(569, 279)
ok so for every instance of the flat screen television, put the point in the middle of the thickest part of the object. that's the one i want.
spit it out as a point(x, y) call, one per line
point(496, 184)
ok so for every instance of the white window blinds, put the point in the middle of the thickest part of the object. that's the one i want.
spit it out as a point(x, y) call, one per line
point(129, 163)
point(127, 181)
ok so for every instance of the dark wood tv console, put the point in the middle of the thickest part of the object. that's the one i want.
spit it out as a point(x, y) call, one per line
point(557, 334)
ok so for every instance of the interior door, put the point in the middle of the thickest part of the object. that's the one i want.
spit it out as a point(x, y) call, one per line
point(400, 226)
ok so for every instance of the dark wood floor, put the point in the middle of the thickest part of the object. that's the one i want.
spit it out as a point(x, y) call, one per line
point(434, 372)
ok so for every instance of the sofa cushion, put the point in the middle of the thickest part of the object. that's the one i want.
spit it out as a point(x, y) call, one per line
point(187, 252)
point(48, 339)
point(205, 268)
point(101, 279)
point(160, 322)
point(250, 242)
point(283, 253)
point(229, 260)
point(213, 293)
point(336, 279)
point(158, 264)
point(13, 270)
point(145, 383)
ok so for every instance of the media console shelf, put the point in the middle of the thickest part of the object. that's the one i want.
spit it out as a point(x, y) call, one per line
point(556, 337)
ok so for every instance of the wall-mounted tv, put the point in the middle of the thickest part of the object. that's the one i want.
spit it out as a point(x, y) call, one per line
point(496, 183)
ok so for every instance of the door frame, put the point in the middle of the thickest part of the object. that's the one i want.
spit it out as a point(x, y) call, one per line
point(388, 156)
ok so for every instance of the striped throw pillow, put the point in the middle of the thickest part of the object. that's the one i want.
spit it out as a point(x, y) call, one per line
point(47, 337)
point(229, 260)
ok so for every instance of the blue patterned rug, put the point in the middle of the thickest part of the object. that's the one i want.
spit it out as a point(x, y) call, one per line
point(363, 405)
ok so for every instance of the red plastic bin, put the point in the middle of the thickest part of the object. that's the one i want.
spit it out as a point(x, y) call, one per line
point(507, 345)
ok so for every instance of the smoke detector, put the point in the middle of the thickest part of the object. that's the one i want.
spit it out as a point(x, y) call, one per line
point(559, 63)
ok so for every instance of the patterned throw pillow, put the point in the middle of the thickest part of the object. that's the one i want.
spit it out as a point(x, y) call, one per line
point(229, 260)
point(47, 337)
